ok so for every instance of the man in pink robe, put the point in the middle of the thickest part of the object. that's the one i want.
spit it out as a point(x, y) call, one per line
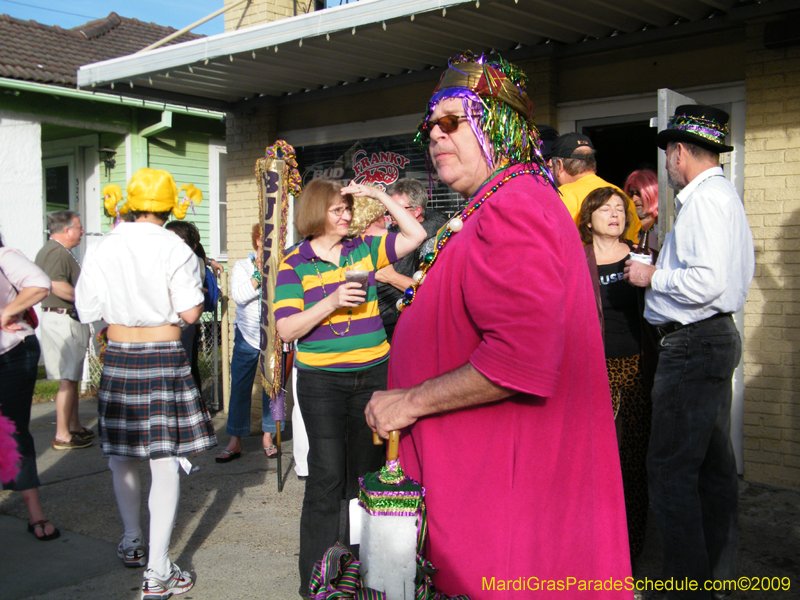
point(497, 375)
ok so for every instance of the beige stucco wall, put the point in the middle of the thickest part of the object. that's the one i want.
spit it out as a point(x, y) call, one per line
point(247, 137)
point(261, 11)
point(772, 314)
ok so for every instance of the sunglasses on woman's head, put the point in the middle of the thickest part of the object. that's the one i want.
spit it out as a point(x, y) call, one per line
point(448, 124)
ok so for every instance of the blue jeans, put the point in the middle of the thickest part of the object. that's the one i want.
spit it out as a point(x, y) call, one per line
point(243, 372)
point(340, 451)
point(691, 467)
point(18, 369)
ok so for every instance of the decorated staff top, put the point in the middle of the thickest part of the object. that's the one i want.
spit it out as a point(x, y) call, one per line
point(151, 190)
point(496, 105)
point(283, 150)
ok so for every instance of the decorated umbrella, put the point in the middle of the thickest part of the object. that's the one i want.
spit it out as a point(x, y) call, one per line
point(392, 504)
point(278, 179)
point(389, 521)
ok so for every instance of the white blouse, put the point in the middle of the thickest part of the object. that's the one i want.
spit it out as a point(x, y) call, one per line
point(139, 275)
point(17, 272)
point(248, 306)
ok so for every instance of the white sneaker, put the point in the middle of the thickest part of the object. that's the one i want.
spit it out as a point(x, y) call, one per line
point(154, 588)
point(134, 555)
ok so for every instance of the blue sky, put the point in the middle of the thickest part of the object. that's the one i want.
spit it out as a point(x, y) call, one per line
point(67, 14)
point(170, 13)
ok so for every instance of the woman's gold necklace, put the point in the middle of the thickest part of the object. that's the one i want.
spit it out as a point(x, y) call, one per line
point(325, 295)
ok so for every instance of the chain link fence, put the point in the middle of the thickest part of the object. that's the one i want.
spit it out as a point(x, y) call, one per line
point(209, 360)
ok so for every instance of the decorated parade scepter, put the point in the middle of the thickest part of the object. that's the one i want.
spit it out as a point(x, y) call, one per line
point(278, 179)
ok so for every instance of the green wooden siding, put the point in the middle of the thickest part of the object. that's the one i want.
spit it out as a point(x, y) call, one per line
point(185, 155)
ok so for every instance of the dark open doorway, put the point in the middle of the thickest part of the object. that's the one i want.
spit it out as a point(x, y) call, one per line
point(622, 148)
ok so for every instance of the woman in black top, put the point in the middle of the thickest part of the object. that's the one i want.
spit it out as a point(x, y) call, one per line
point(604, 217)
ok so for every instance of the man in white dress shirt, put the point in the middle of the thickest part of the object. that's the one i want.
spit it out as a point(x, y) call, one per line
point(702, 276)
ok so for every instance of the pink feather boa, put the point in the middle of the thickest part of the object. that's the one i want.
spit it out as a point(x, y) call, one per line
point(9, 455)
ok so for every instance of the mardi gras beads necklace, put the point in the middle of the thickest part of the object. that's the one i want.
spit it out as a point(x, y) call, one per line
point(325, 295)
point(453, 226)
point(256, 273)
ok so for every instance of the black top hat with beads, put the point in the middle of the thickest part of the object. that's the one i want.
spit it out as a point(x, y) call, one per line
point(703, 126)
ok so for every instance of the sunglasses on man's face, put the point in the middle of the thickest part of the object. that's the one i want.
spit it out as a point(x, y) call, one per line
point(448, 124)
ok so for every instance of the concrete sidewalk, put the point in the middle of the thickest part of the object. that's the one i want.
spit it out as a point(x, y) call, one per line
point(239, 536)
point(234, 531)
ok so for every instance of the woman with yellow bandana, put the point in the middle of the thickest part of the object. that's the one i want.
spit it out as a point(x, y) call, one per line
point(145, 283)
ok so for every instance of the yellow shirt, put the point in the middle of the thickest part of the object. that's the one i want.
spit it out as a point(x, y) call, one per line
point(574, 193)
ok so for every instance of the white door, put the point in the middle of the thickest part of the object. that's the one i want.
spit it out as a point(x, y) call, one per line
point(59, 186)
point(71, 181)
point(668, 101)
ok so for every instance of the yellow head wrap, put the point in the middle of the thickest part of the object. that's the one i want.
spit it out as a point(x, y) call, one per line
point(151, 190)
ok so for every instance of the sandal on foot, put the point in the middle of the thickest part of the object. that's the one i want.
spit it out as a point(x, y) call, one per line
point(44, 537)
point(227, 456)
point(271, 451)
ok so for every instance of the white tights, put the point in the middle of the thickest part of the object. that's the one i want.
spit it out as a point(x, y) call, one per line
point(163, 504)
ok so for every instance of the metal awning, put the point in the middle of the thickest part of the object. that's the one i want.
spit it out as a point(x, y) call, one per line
point(377, 39)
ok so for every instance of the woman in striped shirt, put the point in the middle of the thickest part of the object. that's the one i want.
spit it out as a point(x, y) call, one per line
point(342, 352)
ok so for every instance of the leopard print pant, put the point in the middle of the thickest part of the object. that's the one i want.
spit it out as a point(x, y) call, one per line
point(632, 411)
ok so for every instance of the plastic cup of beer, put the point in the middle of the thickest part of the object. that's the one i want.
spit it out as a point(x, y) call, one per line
point(645, 259)
point(359, 277)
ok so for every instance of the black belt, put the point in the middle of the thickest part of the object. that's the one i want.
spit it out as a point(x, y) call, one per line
point(666, 329)
point(63, 311)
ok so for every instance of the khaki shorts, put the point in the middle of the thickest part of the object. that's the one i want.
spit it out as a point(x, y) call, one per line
point(64, 344)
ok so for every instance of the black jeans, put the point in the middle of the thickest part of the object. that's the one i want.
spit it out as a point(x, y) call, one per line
point(18, 369)
point(690, 462)
point(340, 451)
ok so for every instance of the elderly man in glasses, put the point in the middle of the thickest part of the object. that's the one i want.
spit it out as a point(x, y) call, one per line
point(497, 376)
point(395, 279)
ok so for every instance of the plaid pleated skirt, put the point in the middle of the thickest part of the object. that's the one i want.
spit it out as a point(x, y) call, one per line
point(149, 406)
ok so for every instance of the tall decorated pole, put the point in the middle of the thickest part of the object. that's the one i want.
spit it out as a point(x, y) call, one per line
point(278, 179)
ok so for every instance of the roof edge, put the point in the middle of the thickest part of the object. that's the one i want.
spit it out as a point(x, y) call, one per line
point(119, 100)
point(265, 35)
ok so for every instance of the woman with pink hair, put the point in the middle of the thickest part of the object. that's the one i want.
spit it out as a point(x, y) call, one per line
point(642, 188)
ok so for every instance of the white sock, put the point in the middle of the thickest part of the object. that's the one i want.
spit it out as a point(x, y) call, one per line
point(127, 489)
point(163, 503)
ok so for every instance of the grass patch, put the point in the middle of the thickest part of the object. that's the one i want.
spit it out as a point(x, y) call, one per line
point(45, 391)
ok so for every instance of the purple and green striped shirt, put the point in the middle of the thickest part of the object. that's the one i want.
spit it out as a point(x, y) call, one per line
point(298, 288)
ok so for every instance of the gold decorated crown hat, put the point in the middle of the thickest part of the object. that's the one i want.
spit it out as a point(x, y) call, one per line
point(151, 190)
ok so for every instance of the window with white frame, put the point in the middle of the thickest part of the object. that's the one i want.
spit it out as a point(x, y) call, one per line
point(218, 205)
